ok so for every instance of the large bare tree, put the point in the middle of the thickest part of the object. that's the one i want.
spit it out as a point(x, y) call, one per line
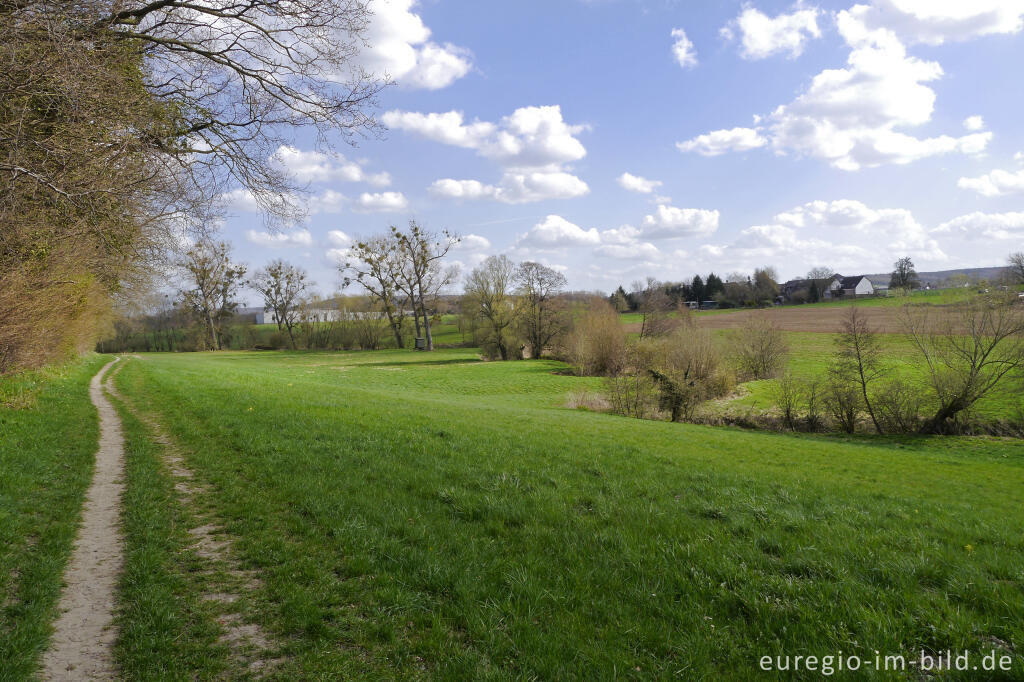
point(543, 317)
point(282, 286)
point(966, 352)
point(212, 282)
point(375, 264)
point(489, 298)
point(423, 273)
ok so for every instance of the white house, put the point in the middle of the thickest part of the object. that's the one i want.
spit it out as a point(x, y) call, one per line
point(858, 285)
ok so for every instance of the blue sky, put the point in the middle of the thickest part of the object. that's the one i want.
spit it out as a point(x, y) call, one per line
point(757, 133)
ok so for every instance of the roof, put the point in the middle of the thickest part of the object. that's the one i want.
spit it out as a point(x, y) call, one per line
point(851, 282)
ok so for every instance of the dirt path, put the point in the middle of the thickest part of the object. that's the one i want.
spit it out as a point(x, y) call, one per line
point(81, 648)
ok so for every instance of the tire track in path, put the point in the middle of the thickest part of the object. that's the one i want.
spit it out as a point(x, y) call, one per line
point(84, 634)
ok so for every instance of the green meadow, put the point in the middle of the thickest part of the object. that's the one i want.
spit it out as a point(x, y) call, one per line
point(433, 516)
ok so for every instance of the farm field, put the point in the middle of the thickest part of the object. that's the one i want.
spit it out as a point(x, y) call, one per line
point(433, 516)
point(811, 354)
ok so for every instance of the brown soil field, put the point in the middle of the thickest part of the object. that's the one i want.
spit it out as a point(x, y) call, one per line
point(884, 319)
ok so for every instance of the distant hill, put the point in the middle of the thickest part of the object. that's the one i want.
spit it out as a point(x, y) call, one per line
point(940, 276)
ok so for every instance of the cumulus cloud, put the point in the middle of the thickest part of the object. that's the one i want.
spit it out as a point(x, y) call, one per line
point(843, 233)
point(683, 50)
point(721, 141)
point(974, 123)
point(635, 183)
point(400, 47)
point(670, 222)
point(635, 251)
point(856, 116)
point(934, 22)
point(528, 138)
point(532, 145)
point(762, 36)
point(473, 242)
point(515, 188)
point(995, 183)
point(314, 166)
point(280, 239)
point(339, 239)
point(986, 225)
point(556, 232)
point(381, 202)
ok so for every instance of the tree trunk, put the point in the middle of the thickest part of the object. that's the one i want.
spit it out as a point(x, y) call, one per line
point(395, 328)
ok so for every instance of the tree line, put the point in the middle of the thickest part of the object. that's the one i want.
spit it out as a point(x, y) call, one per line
point(122, 123)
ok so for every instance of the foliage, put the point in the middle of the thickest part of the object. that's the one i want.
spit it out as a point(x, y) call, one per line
point(904, 276)
point(759, 348)
point(596, 346)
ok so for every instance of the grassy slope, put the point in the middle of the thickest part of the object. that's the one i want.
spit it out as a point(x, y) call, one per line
point(429, 515)
point(47, 449)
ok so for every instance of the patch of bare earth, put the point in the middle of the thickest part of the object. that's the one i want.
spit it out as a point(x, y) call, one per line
point(84, 634)
point(250, 647)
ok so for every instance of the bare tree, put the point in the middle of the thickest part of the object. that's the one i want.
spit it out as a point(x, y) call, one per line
point(1015, 264)
point(543, 317)
point(820, 272)
point(281, 285)
point(966, 352)
point(213, 281)
point(654, 305)
point(860, 358)
point(687, 369)
point(422, 270)
point(376, 264)
point(489, 297)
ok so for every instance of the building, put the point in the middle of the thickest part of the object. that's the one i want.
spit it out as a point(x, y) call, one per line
point(827, 288)
point(858, 285)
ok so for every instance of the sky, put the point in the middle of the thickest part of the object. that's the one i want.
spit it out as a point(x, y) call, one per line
point(619, 139)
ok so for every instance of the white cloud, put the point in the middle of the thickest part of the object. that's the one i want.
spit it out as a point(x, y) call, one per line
point(515, 188)
point(400, 46)
point(1019, 156)
point(280, 239)
point(850, 116)
point(934, 22)
point(762, 36)
point(720, 141)
point(845, 234)
point(381, 202)
point(986, 225)
point(555, 232)
point(314, 166)
point(683, 50)
point(530, 137)
point(329, 201)
point(240, 199)
point(338, 239)
point(974, 123)
point(473, 242)
point(637, 251)
point(995, 183)
point(635, 183)
point(532, 145)
point(854, 117)
point(671, 222)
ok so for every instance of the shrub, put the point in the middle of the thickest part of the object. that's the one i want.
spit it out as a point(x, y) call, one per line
point(898, 406)
point(787, 396)
point(843, 400)
point(759, 348)
point(597, 344)
point(687, 370)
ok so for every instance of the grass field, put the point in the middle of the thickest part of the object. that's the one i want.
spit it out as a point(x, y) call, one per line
point(48, 433)
point(812, 353)
point(431, 516)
